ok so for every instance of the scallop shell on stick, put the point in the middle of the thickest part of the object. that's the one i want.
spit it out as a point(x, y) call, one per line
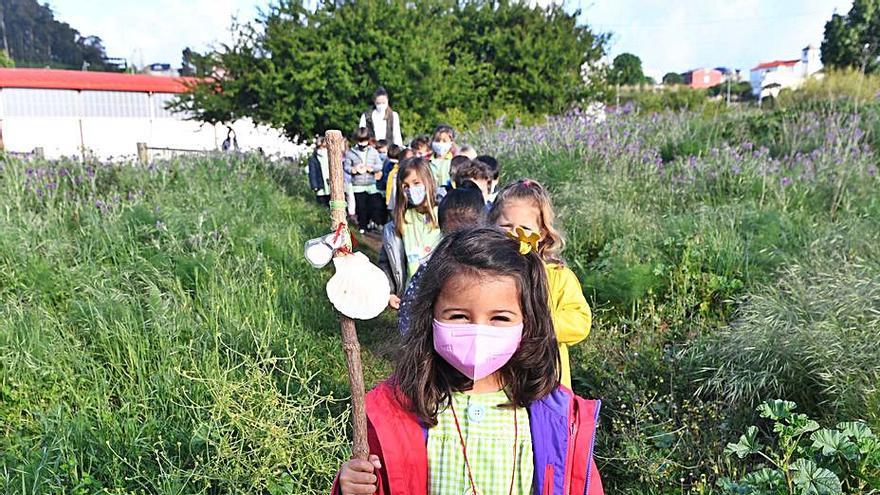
point(359, 289)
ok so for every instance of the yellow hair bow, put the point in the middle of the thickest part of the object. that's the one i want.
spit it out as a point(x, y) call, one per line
point(528, 240)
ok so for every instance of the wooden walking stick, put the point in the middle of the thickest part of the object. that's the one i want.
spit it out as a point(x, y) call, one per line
point(350, 344)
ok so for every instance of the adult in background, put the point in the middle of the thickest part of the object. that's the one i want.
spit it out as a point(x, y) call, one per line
point(319, 172)
point(382, 122)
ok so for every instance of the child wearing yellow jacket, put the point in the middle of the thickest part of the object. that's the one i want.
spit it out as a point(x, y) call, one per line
point(523, 208)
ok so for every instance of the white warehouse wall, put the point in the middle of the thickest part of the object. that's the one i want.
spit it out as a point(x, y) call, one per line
point(109, 124)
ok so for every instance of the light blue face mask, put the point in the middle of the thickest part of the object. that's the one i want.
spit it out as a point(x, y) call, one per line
point(416, 194)
point(440, 149)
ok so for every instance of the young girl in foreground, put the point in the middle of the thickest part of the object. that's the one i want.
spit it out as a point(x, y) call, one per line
point(474, 404)
point(525, 205)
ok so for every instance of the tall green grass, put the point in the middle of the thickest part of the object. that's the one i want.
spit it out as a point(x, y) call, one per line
point(161, 333)
point(730, 257)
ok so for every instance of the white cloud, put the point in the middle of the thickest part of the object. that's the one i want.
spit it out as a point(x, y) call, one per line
point(157, 30)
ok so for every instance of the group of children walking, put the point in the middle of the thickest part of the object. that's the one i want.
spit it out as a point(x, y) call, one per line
point(480, 399)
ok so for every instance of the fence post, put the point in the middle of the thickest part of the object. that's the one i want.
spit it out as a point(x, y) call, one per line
point(39, 153)
point(143, 154)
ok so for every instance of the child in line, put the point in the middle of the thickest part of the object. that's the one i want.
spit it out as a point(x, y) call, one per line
point(319, 172)
point(421, 146)
point(443, 147)
point(462, 208)
point(524, 206)
point(457, 162)
point(451, 420)
point(363, 164)
point(468, 151)
point(391, 187)
point(496, 173)
point(477, 172)
point(392, 158)
point(409, 239)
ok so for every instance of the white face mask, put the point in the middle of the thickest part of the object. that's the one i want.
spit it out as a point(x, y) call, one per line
point(381, 107)
point(440, 149)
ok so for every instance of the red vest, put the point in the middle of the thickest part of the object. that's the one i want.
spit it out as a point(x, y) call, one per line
point(563, 428)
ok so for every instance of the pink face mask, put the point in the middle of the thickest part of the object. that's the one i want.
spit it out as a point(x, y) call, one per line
point(476, 351)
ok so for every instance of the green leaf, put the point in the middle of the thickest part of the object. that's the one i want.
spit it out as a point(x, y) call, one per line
point(728, 486)
point(776, 409)
point(748, 444)
point(765, 479)
point(811, 479)
point(832, 442)
point(856, 430)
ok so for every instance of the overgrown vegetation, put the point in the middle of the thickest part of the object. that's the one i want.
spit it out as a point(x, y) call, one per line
point(730, 256)
point(161, 333)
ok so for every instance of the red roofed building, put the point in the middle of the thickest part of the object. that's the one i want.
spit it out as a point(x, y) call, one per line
point(72, 113)
point(768, 78)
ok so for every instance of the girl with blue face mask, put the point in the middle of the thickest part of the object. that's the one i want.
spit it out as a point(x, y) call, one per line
point(474, 404)
point(443, 150)
point(409, 239)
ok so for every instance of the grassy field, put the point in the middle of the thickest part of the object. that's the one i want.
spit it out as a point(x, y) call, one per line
point(161, 333)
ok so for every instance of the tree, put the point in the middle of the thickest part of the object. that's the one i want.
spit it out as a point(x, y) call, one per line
point(310, 69)
point(853, 40)
point(195, 64)
point(627, 70)
point(31, 36)
point(5, 60)
point(672, 78)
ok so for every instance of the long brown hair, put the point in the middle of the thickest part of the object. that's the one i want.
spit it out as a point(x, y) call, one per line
point(424, 380)
point(420, 166)
point(552, 242)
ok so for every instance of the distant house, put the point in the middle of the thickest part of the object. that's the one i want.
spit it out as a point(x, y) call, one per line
point(769, 78)
point(703, 78)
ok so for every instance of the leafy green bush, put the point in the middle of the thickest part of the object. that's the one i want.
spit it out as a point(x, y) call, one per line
point(673, 98)
point(833, 88)
point(306, 70)
point(805, 459)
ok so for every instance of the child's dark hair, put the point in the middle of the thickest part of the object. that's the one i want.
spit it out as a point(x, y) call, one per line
point(473, 170)
point(425, 381)
point(380, 91)
point(462, 207)
point(456, 163)
point(394, 152)
point(493, 165)
point(381, 144)
point(420, 142)
point(361, 134)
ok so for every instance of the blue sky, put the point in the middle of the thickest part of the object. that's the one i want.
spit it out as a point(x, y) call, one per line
point(668, 35)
